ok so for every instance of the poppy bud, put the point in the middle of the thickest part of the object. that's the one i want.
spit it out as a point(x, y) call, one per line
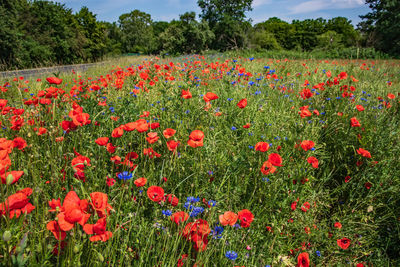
point(9, 179)
point(101, 258)
point(76, 249)
point(6, 236)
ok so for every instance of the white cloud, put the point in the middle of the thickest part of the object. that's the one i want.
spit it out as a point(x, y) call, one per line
point(316, 5)
point(257, 3)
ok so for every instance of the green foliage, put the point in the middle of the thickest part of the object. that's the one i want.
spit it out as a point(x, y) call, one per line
point(136, 32)
point(186, 35)
point(382, 26)
point(283, 31)
point(263, 39)
point(227, 20)
point(329, 40)
point(94, 32)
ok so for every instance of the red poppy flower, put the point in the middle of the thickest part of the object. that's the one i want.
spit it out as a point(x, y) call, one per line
point(172, 145)
point(246, 217)
point(152, 137)
point(117, 132)
point(55, 229)
point(145, 114)
point(14, 175)
point(179, 217)
point(17, 204)
point(360, 108)
point(242, 103)
point(142, 125)
point(354, 122)
point(246, 126)
point(267, 168)
point(210, 96)
point(73, 210)
point(99, 231)
point(293, 206)
point(129, 127)
point(110, 148)
point(305, 112)
point(364, 153)
point(186, 94)
point(154, 125)
point(391, 96)
point(110, 181)
point(368, 185)
point(172, 199)
point(140, 181)
point(344, 243)
point(100, 204)
point(275, 159)
point(54, 80)
point(338, 225)
point(305, 207)
point(168, 133)
point(303, 260)
point(307, 145)
point(155, 193)
point(102, 141)
point(343, 75)
point(80, 162)
point(262, 146)
point(313, 161)
point(196, 139)
point(228, 218)
point(54, 203)
point(19, 143)
point(347, 179)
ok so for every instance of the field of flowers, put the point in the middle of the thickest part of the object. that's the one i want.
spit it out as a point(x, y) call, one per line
point(203, 161)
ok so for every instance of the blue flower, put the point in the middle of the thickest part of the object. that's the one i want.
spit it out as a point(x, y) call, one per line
point(125, 175)
point(232, 255)
point(318, 253)
point(166, 212)
point(233, 128)
point(196, 211)
point(212, 203)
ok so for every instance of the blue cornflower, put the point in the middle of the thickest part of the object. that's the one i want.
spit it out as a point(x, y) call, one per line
point(232, 255)
point(192, 199)
point(233, 128)
point(318, 253)
point(217, 232)
point(196, 211)
point(125, 175)
point(212, 203)
point(166, 212)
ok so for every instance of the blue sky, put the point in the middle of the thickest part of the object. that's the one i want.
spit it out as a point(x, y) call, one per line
point(166, 10)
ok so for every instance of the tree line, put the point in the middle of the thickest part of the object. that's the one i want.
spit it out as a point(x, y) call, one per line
point(37, 33)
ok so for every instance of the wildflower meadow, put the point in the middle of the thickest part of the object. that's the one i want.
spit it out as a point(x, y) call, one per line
point(216, 160)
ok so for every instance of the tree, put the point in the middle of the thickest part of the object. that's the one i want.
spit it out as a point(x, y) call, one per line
point(382, 25)
point(186, 35)
point(307, 32)
point(343, 26)
point(283, 31)
point(94, 32)
point(137, 31)
point(263, 39)
point(227, 20)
